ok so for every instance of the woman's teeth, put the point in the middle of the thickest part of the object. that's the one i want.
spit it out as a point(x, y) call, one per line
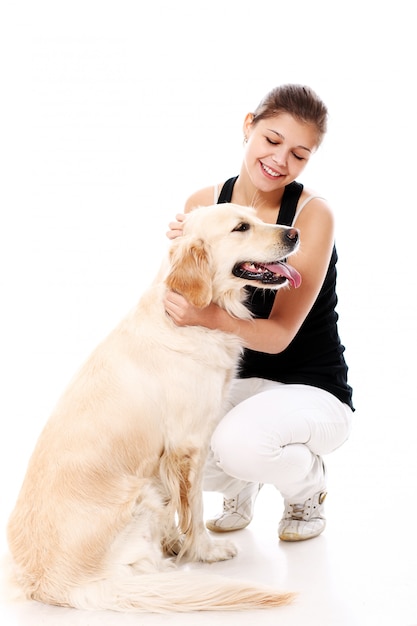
point(269, 171)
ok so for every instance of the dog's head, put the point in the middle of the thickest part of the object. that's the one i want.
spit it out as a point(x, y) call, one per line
point(225, 247)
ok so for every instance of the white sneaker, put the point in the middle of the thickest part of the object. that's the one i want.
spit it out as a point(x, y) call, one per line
point(304, 520)
point(237, 512)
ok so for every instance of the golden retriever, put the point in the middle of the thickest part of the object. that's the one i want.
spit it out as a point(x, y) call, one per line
point(112, 497)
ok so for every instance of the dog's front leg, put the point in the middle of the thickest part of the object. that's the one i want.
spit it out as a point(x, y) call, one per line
point(197, 543)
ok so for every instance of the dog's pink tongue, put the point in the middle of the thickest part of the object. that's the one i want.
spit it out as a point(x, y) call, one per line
point(283, 269)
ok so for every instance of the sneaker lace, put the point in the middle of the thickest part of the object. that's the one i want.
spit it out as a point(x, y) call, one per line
point(296, 511)
point(229, 505)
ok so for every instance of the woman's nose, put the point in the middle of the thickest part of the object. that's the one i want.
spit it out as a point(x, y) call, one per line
point(280, 157)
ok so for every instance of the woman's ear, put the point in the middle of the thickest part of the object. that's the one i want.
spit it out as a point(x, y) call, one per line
point(190, 272)
point(247, 125)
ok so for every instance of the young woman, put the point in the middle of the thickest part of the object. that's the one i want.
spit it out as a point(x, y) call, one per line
point(291, 403)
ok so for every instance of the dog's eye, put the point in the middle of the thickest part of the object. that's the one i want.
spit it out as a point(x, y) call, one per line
point(242, 227)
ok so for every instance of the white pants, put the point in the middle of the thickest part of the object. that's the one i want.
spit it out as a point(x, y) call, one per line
point(276, 433)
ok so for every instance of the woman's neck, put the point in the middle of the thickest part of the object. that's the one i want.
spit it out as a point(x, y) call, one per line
point(267, 205)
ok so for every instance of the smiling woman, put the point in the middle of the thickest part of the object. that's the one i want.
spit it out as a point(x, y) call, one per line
point(292, 386)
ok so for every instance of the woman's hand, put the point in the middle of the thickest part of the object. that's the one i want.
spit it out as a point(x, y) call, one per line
point(183, 313)
point(175, 228)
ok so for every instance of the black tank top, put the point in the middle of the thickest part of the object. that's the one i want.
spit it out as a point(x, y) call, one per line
point(315, 355)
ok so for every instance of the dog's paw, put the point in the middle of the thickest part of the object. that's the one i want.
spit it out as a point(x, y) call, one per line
point(217, 550)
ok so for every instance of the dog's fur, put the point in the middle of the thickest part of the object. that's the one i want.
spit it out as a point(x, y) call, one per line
point(113, 487)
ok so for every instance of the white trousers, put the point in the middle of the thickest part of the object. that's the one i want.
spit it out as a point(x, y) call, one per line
point(276, 433)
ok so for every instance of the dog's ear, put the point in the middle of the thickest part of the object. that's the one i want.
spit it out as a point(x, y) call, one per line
point(190, 272)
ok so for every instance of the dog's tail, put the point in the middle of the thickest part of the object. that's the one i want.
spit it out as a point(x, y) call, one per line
point(175, 591)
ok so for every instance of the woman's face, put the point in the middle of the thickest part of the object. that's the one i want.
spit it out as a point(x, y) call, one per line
point(277, 150)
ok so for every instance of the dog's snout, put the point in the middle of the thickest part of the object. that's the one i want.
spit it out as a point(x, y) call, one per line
point(292, 234)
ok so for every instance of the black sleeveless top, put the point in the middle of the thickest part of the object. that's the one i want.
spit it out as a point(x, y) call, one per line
point(315, 355)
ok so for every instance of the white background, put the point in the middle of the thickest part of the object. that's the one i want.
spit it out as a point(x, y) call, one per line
point(113, 112)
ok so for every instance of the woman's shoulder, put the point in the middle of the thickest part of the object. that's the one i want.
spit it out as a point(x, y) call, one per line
point(203, 197)
point(308, 194)
point(312, 201)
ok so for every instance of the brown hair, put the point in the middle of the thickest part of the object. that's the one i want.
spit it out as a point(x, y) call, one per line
point(297, 100)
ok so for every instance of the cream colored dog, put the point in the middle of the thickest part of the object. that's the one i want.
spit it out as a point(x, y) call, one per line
point(113, 487)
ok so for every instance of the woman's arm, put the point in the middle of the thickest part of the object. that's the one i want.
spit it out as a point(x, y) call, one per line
point(291, 306)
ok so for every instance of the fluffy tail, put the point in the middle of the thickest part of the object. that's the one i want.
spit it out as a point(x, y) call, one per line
point(175, 591)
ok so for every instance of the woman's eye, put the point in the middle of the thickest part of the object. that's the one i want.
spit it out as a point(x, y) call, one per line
point(274, 143)
point(298, 157)
point(242, 227)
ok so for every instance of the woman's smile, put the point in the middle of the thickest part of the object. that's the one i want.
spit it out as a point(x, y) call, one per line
point(269, 172)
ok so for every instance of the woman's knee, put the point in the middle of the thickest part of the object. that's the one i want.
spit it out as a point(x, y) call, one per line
point(233, 447)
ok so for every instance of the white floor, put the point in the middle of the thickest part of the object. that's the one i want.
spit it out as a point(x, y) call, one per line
point(360, 572)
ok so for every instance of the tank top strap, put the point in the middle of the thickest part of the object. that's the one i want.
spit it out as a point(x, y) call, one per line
point(227, 190)
point(292, 193)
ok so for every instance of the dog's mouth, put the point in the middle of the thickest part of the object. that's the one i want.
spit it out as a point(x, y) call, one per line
point(268, 273)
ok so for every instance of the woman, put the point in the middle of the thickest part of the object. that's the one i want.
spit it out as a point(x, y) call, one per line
point(291, 403)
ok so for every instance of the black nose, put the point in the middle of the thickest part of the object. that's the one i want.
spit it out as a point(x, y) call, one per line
point(292, 234)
